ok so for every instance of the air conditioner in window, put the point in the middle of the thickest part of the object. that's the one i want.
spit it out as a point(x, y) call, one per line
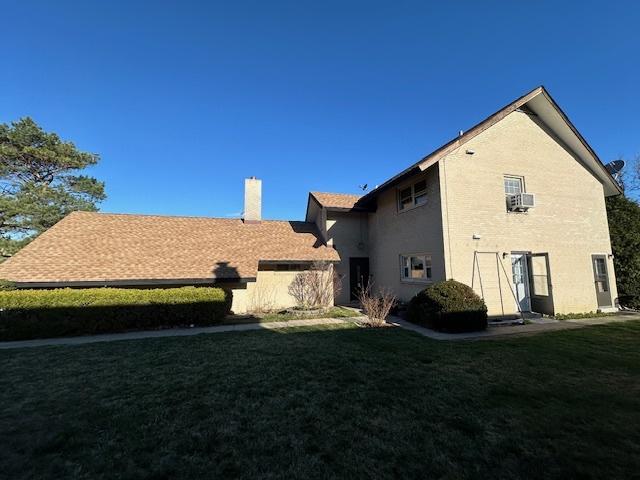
point(522, 202)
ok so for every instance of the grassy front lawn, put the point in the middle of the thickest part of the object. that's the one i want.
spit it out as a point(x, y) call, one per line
point(284, 316)
point(326, 402)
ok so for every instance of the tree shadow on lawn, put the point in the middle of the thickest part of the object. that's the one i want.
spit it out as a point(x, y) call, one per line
point(325, 402)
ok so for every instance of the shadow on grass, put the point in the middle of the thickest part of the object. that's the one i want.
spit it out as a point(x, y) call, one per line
point(322, 402)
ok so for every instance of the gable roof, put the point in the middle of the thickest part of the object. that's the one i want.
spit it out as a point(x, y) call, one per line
point(540, 103)
point(338, 201)
point(118, 248)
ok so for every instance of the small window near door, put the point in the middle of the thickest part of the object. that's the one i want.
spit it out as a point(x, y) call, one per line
point(415, 268)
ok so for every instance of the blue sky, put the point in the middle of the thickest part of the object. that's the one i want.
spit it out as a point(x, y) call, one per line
point(184, 99)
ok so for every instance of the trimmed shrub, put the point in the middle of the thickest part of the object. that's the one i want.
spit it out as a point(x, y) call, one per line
point(7, 285)
point(448, 306)
point(26, 314)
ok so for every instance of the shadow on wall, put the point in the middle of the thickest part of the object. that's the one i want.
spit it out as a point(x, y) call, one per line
point(226, 277)
point(304, 227)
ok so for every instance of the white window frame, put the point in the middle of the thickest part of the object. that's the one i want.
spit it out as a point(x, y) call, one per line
point(405, 266)
point(421, 196)
point(520, 179)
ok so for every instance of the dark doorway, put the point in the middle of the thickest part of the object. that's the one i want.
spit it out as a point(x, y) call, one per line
point(358, 275)
point(601, 279)
point(540, 283)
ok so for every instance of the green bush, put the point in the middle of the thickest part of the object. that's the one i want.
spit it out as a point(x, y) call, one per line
point(26, 314)
point(448, 306)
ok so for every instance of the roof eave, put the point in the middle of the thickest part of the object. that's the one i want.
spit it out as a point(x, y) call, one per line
point(455, 143)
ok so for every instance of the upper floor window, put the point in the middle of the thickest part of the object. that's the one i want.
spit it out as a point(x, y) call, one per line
point(412, 195)
point(415, 268)
point(512, 185)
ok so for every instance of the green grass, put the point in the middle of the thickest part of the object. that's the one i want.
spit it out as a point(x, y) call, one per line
point(284, 316)
point(326, 402)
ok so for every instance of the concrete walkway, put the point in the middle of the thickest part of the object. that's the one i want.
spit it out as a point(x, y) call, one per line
point(545, 325)
point(173, 332)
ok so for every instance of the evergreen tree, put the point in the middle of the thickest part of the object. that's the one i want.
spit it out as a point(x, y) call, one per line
point(40, 182)
point(624, 228)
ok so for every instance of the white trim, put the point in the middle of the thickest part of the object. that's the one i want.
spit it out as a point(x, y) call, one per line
point(402, 266)
point(525, 275)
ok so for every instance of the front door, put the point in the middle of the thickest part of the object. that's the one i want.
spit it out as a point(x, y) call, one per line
point(358, 275)
point(601, 279)
point(521, 281)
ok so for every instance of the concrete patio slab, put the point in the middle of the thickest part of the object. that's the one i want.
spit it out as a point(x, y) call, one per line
point(549, 325)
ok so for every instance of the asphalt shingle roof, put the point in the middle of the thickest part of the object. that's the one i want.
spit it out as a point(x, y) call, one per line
point(90, 247)
point(336, 200)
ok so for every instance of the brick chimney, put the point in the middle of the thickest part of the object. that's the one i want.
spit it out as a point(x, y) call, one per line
point(252, 200)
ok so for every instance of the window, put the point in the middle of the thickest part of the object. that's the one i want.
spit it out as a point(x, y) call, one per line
point(512, 186)
point(420, 193)
point(281, 267)
point(413, 195)
point(415, 268)
point(406, 198)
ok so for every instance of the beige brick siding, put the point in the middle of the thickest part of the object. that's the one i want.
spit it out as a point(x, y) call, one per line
point(393, 233)
point(569, 221)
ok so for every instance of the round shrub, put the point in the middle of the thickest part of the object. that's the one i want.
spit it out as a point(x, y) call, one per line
point(448, 306)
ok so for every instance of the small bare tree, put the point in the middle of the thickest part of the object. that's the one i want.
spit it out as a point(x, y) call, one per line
point(376, 306)
point(315, 288)
point(299, 290)
point(629, 178)
point(262, 299)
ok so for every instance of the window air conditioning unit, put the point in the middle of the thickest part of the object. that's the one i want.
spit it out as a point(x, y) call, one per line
point(522, 202)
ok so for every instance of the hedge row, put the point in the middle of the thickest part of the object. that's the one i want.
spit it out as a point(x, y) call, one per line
point(26, 314)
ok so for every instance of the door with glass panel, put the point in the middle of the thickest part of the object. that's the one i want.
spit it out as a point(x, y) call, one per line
point(601, 279)
point(541, 288)
point(521, 281)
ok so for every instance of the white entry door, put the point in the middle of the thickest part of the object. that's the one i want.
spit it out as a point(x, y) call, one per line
point(521, 280)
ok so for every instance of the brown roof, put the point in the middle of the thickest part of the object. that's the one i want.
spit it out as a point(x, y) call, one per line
point(96, 247)
point(336, 200)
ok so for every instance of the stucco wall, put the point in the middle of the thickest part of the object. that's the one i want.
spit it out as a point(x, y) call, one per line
point(393, 233)
point(317, 215)
point(348, 234)
point(269, 292)
point(569, 221)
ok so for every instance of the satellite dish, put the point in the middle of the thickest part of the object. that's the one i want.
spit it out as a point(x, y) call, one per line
point(615, 167)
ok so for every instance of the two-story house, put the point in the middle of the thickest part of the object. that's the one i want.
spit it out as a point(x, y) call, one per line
point(514, 207)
